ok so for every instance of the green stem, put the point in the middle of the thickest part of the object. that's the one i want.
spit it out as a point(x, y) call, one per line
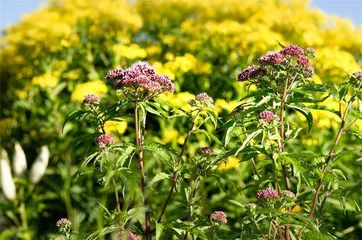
point(24, 220)
point(195, 187)
point(175, 173)
point(140, 132)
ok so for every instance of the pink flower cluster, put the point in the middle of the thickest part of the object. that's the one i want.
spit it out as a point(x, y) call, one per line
point(140, 81)
point(267, 194)
point(130, 235)
point(64, 223)
point(285, 57)
point(104, 140)
point(267, 115)
point(202, 100)
point(207, 151)
point(252, 72)
point(272, 57)
point(357, 74)
point(91, 99)
point(219, 216)
point(288, 194)
point(292, 50)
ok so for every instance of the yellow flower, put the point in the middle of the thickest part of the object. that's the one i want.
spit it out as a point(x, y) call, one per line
point(96, 87)
point(22, 94)
point(119, 126)
point(260, 157)
point(153, 50)
point(333, 63)
point(132, 51)
point(297, 209)
point(221, 104)
point(5, 126)
point(232, 162)
point(178, 100)
point(48, 79)
point(169, 135)
point(310, 142)
point(72, 75)
point(162, 69)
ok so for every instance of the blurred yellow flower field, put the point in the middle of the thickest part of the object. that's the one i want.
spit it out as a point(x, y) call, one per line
point(57, 54)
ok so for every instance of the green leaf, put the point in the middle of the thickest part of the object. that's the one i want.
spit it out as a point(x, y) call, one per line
point(280, 44)
point(306, 113)
point(155, 108)
point(159, 230)
point(228, 134)
point(159, 176)
point(248, 139)
point(87, 160)
point(164, 151)
point(258, 94)
point(214, 119)
point(210, 136)
point(315, 235)
point(104, 231)
point(291, 159)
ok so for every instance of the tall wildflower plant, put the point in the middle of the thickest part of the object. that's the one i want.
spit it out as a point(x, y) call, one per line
point(263, 126)
point(285, 179)
point(122, 164)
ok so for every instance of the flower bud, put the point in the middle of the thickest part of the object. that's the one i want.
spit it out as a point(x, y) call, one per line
point(19, 160)
point(7, 182)
point(40, 165)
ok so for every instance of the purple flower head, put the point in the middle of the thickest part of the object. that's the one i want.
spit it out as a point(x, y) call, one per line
point(304, 61)
point(142, 67)
point(272, 57)
point(104, 140)
point(308, 72)
point(165, 82)
point(202, 100)
point(219, 216)
point(207, 151)
point(357, 74)
point(267, 115)
point(292, 50)
point(140, 81)
point(91, 99)
point(267, 194)
point(288, 194)
point(251, 72)
point(115, 74)
point(64, 223)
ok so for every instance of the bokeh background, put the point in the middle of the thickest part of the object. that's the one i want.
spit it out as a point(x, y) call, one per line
point(57, 53)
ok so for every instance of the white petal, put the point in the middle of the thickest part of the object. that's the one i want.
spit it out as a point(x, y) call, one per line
point(19, 160)
point(7, 182)
point(39, 166)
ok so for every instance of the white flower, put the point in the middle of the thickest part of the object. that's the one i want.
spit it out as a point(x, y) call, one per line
point(39, 166)
point(7, 182)
point(19, 160)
